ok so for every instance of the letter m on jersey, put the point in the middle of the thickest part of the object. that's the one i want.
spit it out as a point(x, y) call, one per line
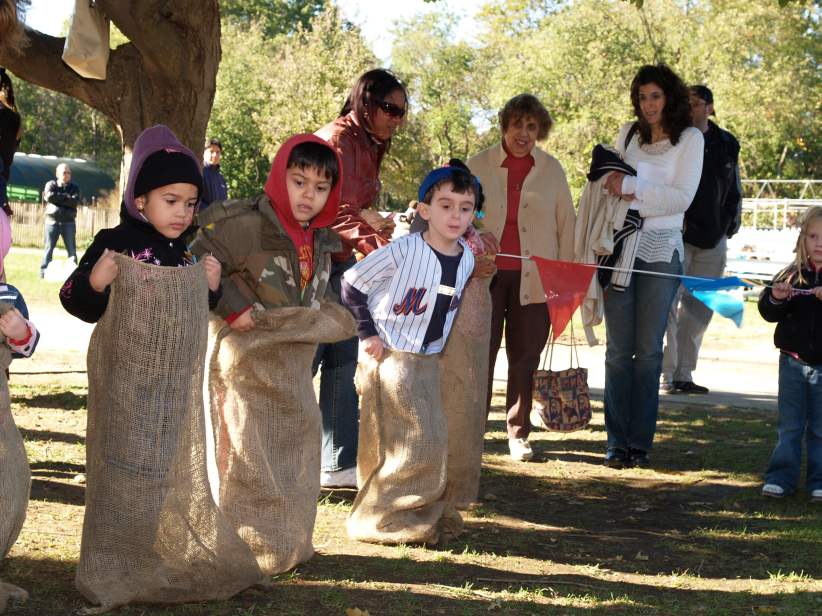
point(411, 302)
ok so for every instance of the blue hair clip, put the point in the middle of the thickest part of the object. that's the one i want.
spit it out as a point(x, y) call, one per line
point(479, 215)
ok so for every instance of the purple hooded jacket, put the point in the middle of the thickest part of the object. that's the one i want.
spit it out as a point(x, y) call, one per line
point(134, 236)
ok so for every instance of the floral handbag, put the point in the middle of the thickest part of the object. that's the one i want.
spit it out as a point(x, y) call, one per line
point(560, 398)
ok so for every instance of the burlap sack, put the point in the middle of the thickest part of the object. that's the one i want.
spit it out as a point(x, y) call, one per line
point(402, 453)
point(464, 374)
point(266, 424)
point(152, 532)
point(15, 477)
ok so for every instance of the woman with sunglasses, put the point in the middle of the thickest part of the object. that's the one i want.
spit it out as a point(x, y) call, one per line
point(529, 210)
point(371, 115)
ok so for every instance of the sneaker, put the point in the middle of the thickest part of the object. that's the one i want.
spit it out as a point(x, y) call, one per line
point(520, 449)
point(344, 478)
point(667, 388)
point(616, 458)
point(816, 496)
point(689, 387)
point(772, 490)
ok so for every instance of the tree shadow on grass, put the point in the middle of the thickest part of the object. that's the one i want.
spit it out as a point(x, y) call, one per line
point(57, 492)
point(645, 524)
point(48, 435)
point(66, 400)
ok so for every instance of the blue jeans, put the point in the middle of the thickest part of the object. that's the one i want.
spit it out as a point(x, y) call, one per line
point(800, 412)
point(53, 232)
point(635, 323)
point(338, 398)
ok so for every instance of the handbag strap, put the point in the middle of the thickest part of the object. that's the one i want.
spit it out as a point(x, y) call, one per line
point(548, 351)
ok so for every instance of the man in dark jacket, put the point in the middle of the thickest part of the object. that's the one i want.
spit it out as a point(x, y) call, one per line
point(713, 217)
point(214, 185)
point(60, 197)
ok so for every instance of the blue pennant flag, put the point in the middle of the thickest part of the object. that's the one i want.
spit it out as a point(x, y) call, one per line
point(722, 295)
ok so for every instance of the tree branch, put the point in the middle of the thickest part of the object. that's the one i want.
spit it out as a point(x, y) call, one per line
point(39, 60)
point(165, 31)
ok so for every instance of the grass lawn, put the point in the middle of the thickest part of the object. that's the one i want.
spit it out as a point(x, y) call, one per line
point(562, 535)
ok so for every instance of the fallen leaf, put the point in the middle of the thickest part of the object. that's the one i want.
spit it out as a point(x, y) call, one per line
point(495, 605)
point(490, 497)
point(641, 509)
point(765, 609)
point(355, 611)
point(640, 556)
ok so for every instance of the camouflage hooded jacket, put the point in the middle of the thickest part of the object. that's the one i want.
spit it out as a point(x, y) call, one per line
point(251, 239)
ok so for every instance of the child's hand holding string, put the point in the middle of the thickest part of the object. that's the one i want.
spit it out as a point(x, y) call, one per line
point(13, 325)
point(373, 347)
point(104, 271)
point(781, 290)
point(817, 291)
point(213, 269)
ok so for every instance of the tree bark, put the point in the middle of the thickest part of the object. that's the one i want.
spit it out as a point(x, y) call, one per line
point(166, 74)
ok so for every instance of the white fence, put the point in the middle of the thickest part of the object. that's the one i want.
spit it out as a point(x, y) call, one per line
point(27, 224)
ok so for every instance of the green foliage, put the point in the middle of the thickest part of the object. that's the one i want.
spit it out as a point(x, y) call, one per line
point(275, 16)
point(270, 89)
point(762, 63)
point(446, 84)
point(248, 55)
point(56, 124)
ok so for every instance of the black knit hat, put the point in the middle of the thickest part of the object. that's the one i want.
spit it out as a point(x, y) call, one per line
point(166, 167)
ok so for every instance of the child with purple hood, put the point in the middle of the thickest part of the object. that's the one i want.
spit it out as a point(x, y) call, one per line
point(152, 533)
point(163, 189)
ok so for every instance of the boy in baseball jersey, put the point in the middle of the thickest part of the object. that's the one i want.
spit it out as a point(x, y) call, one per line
point(404, 297)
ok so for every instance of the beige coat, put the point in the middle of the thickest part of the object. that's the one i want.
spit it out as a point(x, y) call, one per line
point(546, 213)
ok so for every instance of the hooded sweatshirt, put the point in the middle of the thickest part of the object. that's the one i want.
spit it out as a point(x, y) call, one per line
point(134, 236)
point(269, 259)
point(277, 192)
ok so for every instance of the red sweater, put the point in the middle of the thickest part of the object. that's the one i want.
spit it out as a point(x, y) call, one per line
point(518, 169)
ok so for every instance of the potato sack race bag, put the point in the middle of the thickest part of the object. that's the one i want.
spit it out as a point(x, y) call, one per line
point(15, 477)
point(464, 375)
point(402, 453)
point(152, 532)
point(266, 425)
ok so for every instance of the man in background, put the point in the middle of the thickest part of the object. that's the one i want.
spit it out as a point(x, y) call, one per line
point(713, 216)
point(61, 197)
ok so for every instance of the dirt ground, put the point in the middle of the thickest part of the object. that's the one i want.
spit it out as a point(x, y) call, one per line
point(559, 535)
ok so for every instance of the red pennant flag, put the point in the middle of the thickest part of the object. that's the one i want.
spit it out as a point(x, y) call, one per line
point(565, 285)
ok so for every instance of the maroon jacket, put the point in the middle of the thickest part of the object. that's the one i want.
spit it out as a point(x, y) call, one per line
point(361, 155)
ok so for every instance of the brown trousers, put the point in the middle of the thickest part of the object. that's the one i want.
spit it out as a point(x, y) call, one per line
point(526, 332)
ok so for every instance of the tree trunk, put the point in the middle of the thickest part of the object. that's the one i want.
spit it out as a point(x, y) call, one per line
point(166, 74)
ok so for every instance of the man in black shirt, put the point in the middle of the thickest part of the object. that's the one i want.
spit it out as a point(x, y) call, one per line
point(713, 217)
point(61, 197)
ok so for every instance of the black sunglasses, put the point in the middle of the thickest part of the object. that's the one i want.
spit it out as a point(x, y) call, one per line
point(391, 109)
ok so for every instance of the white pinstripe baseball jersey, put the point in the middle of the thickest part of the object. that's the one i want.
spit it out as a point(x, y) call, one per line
point(401, 281)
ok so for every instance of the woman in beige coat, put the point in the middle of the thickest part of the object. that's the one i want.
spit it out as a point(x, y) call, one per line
point(529, 210)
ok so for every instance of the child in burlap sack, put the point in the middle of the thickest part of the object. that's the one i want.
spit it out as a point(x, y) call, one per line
point(152, 532)
point(275, 251)
point(20, 337)
point(464, 363)
point(404, 298)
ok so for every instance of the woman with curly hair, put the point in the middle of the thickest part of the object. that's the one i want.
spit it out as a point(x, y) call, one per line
point(666, 152)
